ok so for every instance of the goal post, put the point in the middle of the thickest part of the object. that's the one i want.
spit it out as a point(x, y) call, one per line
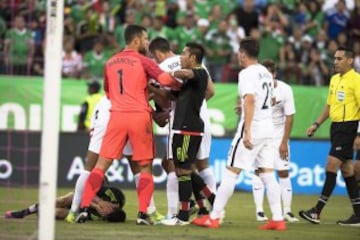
point(50, 119)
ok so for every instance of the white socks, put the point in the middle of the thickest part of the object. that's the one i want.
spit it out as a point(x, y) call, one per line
point(79, 188)
point(285, 188)
point(151, 208)
point(286, 193)
point(258, 193)
point(172, 194)
point(209, 178)
point(224, 192)
point(273, 195)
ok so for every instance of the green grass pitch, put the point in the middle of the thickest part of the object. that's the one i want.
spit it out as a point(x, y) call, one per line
point(239, 222)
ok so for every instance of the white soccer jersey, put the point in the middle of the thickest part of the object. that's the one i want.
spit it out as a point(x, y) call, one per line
point(169, 65)
point(172, 64)
point(257, 80)
point(284, 106)
point(99, 121)
point(101, 114)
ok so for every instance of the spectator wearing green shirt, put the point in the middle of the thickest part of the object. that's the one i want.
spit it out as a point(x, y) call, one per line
point(316, 19)
point(201, 31)
point(185, 33)
point(78, 11)
point(271, 45)
point(218, 50)
point(159, 30)
point(94, 61)
point(120, 29)
point(18, 48)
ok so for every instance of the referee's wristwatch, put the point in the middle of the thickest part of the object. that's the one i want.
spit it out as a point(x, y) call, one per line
point(316, 124)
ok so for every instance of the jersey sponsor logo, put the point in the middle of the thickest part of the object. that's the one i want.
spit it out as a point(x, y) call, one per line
point(340, 95)
point(174, 65)
point(338, 148)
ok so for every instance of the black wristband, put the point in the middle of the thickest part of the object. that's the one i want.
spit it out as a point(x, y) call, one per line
point(317, 125)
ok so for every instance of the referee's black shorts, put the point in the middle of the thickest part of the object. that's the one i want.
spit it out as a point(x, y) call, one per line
point(185, 148)
point(342, 136)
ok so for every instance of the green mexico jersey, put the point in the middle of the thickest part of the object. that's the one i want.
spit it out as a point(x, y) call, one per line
point(19, 45)
point(95, 63)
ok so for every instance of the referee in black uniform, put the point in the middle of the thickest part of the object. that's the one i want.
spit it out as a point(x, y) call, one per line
point(343, 109)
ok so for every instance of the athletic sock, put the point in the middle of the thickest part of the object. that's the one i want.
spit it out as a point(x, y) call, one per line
point(223, 193)
point(353, 192)
point(273, 194)
point(286, 193)
point(145, 191)
point(79, 188)
point(330, 181)
point(199, 185)
point(172, 194)
point(200, 199)
point(23, 213)
point(151, 208)
point(209, 178)
point(185, 191)
point(92, 186)
point(258, 193)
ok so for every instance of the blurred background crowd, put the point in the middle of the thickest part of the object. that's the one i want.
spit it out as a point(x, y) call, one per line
point(301, 36)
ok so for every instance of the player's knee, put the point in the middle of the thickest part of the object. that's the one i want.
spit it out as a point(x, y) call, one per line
point(168, 165)
point(357, 167)
point(283, 174)
point(347, 169)
point(202, 164)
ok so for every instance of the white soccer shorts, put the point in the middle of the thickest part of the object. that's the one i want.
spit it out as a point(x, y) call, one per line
point(261, 156)
point(280, 164)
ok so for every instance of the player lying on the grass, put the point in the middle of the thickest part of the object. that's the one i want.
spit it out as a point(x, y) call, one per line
point(99, 121)
point(107, 205)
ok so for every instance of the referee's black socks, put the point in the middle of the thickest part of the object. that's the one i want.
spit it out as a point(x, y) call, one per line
point(353, 192)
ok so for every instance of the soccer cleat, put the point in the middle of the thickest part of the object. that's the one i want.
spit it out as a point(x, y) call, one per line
point(290, 217)
point(143, 219)
point(156, 217)
point(193, 208)
point(353, 220)
point(310, 215)
point(70, 218)
point(261, 217)
point(202, 211)
point(274, 225)
point(10, 214)
point(206, 221)
point(175, 221)
point(82, 217)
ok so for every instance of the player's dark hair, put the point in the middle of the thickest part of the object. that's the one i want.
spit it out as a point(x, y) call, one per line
point(133, 31)
point(270, 65)
point(112, 194)
point(118, 215)
point(349, 53)
point(159, 44)
point(197, 50)
point(250, 46)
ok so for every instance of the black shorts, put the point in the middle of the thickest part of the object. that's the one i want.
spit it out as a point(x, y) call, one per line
point(342, 136)
point(357, 157)
point(185, 148)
